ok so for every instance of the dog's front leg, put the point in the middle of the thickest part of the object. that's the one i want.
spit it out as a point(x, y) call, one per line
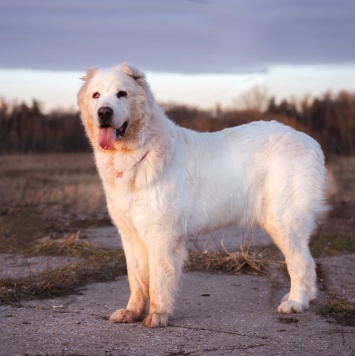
point(166, 259)
point(137, 268)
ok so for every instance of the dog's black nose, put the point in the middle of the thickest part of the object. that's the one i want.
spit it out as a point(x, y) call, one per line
point(105, 114)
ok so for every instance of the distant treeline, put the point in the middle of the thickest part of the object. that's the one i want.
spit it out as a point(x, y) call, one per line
point(25, 129)
point(329, 119)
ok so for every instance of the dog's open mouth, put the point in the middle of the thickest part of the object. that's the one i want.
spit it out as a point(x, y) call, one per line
point(120, 132)
point(108, 135)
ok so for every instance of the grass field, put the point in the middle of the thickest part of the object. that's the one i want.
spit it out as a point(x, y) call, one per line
point(67, 182)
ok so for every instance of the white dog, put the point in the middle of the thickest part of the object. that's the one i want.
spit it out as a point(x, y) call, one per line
point(164, 182)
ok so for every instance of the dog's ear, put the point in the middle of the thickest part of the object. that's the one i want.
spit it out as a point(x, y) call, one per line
point(89, 74)
point(135, 73)
point(85, 78)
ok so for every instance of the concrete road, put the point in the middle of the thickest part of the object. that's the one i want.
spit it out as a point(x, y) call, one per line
point(215, 315)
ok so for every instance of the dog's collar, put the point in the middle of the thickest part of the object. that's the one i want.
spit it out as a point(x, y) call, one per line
point(120, 174)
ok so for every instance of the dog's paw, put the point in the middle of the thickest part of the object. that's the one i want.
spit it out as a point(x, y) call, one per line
point(155, 320)
point(124, 316)
point(289, 307)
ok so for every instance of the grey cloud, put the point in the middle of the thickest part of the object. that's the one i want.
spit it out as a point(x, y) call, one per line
point(181, 36)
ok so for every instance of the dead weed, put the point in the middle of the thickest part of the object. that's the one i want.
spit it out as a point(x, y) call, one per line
point(101, 267)
point(71, 245)
point(245, 260)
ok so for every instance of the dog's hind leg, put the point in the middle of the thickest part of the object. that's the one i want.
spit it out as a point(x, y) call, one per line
point(138, 277)
point(301, 268)
point(292, 239)
point(166, 259)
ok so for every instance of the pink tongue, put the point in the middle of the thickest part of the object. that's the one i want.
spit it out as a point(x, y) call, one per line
point(107, 138)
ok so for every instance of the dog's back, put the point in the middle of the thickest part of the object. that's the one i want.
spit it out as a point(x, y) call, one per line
point(235, 175)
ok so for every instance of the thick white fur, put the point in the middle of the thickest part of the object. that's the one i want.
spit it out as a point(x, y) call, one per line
point(262, 173)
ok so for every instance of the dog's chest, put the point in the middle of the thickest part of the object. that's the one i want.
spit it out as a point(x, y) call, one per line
point(124, 199)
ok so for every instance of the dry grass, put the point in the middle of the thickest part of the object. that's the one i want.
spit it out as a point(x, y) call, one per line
point(335, 304)
point(51, 162)
point(246, 260)
point(70, 245)
point(336, 236)
point(328, 244)
point(340, 309)
point(47, 195)
point(20, 226)
point(61, 184)
point(101, 267)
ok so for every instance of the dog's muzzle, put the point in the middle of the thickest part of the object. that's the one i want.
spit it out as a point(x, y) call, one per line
point(108, 134)
point(105, 114)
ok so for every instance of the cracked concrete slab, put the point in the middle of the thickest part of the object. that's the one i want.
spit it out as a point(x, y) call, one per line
point(215, 315)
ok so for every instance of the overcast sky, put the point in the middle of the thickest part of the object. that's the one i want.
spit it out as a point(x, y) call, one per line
point(234, 37)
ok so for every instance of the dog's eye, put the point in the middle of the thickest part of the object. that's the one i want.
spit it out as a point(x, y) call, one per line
point(121, 94)
point(96, 95)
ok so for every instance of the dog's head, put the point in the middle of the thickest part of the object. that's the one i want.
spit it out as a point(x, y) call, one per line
point(114, 105)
